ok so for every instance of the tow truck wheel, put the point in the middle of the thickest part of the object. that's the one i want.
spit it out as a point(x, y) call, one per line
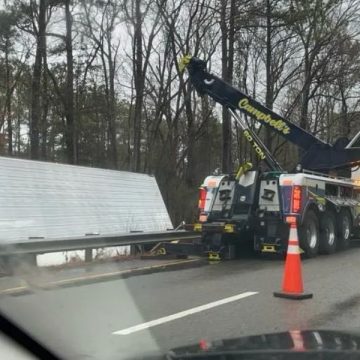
point(309, 234)
point(328, 233)
point(344, 229)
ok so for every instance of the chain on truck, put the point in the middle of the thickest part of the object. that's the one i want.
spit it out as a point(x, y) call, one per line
point(252, 204)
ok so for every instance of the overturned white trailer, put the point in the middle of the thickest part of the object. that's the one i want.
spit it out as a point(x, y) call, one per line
point(51, 200)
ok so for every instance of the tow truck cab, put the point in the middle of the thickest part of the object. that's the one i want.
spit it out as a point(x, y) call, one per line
point(238, 210)
point(230, 200)
point(226, 207)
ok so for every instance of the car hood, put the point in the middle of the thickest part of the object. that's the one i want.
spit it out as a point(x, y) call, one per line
point(294, 341)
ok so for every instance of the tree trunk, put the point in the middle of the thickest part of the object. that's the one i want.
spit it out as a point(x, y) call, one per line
point(190, 168)
point(9, 126)
point(69, 95)
point(45, 106)
point(227, 65)
point(18, 134)
point(269, 78)
point(36, 83)
point(112, 125)
point(8, 99)
point(345, 127)
point(139, 86)
point(305, 94)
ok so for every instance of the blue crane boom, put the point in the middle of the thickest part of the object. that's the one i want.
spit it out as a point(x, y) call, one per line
point(318, 155)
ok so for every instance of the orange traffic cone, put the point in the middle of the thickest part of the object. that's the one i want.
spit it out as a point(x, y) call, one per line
point(292, 287)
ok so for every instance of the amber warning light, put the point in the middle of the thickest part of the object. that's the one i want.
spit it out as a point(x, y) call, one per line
point(296, 199)
point(201, 206)
point(202, 198)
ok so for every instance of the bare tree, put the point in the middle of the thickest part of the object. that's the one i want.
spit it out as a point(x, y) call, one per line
point(67, 96)
point(100, 31)
point(39, 30)
point(227, 26)
point(13, 69)
point(318, 24)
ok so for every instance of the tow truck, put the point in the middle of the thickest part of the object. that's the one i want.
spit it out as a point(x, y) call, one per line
point(253, 204)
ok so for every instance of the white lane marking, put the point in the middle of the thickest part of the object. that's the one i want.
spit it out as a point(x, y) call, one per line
point(184, 313)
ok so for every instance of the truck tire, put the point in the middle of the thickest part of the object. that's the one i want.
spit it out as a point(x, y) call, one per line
point(328, 233)
point(309, 234)
point(344, 229)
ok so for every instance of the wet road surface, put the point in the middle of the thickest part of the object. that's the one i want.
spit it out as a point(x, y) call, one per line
point(152, 312)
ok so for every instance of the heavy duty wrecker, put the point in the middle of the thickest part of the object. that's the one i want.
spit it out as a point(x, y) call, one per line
point(252, 205)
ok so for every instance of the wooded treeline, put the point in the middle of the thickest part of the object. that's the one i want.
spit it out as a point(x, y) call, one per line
point(97, 82)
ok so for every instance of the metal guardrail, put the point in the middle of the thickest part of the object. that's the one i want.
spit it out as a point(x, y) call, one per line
point(42, 246)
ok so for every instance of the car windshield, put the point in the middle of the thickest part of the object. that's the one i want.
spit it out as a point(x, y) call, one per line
point(177, 172)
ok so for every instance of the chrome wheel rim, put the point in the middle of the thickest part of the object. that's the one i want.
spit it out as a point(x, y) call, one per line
point(330, 234)
point(346, 227)
point(311, 235)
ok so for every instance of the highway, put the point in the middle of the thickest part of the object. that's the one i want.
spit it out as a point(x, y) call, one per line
point(150, 312)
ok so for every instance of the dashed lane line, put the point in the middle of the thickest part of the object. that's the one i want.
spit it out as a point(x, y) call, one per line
point(184, 313)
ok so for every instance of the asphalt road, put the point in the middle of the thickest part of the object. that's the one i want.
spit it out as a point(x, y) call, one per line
point(88, 321)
